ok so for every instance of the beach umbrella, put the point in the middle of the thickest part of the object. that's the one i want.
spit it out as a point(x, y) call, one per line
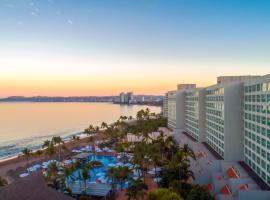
point(158, 169)
point(67, 162)
point(157, 180)
point(100, 174)
point(24, 175)
point(151, 172)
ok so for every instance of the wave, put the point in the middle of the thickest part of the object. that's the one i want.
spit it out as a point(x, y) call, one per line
point(12, 148)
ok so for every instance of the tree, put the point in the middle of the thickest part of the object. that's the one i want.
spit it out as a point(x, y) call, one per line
point(91, 131)
point(170, 147)
point(49, 147)
point(52, 174)
point(140, 152)
point(3, 182)
point(180, 187)
point(27, 152)
point(118, 175)
point(85, 176)
point(57, 140)
point(180, 162)
point(75, 137)
point(199, 193)
point(104, 125)
point(136, 190)
point(188, 152)
point(163, 194)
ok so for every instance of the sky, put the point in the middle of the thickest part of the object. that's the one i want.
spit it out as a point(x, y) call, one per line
point(103, 47)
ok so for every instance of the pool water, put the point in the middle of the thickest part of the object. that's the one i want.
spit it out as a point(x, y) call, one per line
point(105, 160)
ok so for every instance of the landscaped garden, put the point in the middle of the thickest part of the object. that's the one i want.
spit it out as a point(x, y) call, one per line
point(129, 159)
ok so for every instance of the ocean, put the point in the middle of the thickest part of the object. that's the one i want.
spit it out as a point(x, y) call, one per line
point(24, 124)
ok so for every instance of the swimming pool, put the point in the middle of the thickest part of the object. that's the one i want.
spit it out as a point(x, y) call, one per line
point(94, 172)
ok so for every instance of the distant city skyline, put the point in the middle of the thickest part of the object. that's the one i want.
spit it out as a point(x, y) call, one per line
point(102, 47)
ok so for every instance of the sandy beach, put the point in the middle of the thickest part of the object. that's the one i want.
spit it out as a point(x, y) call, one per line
point(11, 168)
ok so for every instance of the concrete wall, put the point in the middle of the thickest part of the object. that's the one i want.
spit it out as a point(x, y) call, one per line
point(180, 110)
point(202, 115)
point(233, 122)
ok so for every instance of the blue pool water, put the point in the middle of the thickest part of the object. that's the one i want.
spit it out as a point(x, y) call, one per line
point(105, 160)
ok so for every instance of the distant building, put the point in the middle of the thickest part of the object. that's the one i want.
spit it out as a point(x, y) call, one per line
point(122, 97)
point(126, 98)
point(172, 109)
point(165, 106)
point(229, 79)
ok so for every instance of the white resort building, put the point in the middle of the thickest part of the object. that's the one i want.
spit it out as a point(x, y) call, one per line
point(228, 127)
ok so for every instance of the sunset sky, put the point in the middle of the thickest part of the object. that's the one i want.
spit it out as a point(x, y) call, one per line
point(103, 47)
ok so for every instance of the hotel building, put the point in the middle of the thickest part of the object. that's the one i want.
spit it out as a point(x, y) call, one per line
point(195, 113)
point(231, 117)
point(224, 123)
point(257, 126)
point(165, 106)
point(171, 109)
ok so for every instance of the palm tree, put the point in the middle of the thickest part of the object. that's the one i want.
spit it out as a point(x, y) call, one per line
point(170, 147)
point(140, 151)
point(53, 174)
point(91, 131)
point(27, 152)
point(3, 182)
point(75, 137)
point(104, 125)
point(85, 176)
point(188, 152)
point(180, 162)
point(111, 175)
point(57, 140)
point(136, 190)
point(122, 174)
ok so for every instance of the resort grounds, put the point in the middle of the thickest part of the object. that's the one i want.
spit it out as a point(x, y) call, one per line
point(130, 159)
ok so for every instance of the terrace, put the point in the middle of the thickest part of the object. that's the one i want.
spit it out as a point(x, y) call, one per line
point(225, 180)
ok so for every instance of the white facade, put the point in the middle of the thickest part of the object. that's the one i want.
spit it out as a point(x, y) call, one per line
point(230, 79)
point(224, 122)
point(165, 106)
point(126, 98)
point(233, 117)
point(172, 109)
point(195, 113)
point(257, 126)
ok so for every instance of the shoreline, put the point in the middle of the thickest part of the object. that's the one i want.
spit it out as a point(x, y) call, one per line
point(10, 167)
point(66, 139)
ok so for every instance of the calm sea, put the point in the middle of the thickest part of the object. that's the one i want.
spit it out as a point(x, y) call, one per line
point(29, 124)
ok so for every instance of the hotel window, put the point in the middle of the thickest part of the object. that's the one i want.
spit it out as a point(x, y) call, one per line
point(264, 87)
point(263, 164)
point(258, 87)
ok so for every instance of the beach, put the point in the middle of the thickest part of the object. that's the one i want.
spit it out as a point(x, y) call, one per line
point(11, 168)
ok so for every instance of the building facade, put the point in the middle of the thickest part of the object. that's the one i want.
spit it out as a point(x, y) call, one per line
point(195, 113)
point(224, 122)
point(165, 106)
point(125, 98)
point(232, 117)
point(172, 109)
point(257, 126)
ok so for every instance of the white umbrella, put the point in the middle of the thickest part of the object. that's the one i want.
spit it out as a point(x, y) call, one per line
point(24, 175)
point(67, 162)
point(100, 174)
